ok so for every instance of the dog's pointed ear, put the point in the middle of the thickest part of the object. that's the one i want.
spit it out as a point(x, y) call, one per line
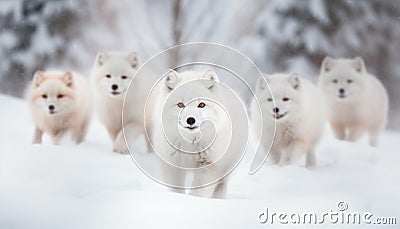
point(211, 76)
point(172, 79)
point(327, 64)
point(359, 65)
point(100, 58)
point(38, 78)
point(294, 80)
point(68, 79)
point(133, 60)
point(262, 82)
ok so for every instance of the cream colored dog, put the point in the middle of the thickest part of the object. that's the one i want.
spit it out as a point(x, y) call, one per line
point(59, 102)
point(356, 101)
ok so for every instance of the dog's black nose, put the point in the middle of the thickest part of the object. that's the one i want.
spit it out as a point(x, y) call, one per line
point(190, 120)
point(51, 107)
point(114, 87)
point(275, 110)
point(341, 91)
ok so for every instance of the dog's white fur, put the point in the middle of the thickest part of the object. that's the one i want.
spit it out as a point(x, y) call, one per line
point(363, 104)
point(173, 101)
point(111, 76)
point(69, 95)
point(299, 120)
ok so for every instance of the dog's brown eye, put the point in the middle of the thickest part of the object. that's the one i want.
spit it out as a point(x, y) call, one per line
point(124, 77)
point(201, 105)
point(108, 76)
point(60, 96)
point(44, 96)
point(181, 105)
point(285, 99)
point(335, 81)
point(269, 99)
point(349, 81)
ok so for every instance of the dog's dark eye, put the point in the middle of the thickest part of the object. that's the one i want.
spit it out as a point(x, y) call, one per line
point(349, 81)
point(201, 105)
point(124, 77)
point(285, 99)
point(108, 76)
point(269, 99)
point(181, 105)
point(60, 96)
point(44, 96)
point(335, 81)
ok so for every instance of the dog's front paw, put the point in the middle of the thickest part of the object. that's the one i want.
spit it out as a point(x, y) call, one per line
point(120, 145)
point(120, 148)
point(121, 151)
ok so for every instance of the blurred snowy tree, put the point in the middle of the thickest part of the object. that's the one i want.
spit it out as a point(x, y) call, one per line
point(33, 35)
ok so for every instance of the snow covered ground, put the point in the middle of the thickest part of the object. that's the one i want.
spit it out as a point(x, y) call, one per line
point(88, 186)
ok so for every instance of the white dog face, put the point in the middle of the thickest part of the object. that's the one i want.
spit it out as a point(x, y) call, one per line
point(285, 100)
point(187, 105)
point(53, 94)
point(342, 78)
point(114, 71)
point(193, 113)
